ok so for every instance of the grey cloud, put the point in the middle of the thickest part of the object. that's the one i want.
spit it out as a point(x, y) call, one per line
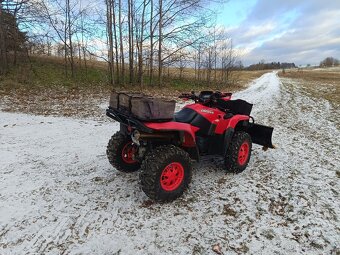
point(312, 35)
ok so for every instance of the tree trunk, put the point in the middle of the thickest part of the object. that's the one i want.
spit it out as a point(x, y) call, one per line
point(199, 64)
point(160, 43)
point(116, 41)
point(70, 37)
point(136, 52)
point(130, 25)
point(3, 53)
point(195, 66)
point(140, 52)
point(79, 54)
point(215, 66)
point(82, 42)
point(110, 39)
point(65, 44)
point(15, 46)
point(121, 44)
point(151, 43)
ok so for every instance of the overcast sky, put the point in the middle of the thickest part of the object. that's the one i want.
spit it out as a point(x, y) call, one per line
point(304, 32)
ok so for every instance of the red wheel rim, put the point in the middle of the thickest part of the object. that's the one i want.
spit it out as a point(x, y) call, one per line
point(172, 176)
point(128, 153)
point(243, 153)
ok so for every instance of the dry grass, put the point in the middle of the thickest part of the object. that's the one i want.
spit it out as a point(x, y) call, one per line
point(173, 81)
point(245, 77)
point(54, 101)
point(319, 82)
point(41, 87)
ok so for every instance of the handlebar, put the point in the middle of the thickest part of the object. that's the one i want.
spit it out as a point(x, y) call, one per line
point(214, 96)
point(184, 95)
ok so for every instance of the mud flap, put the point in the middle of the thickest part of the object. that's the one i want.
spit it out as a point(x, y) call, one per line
point(228, 135)
point(261, 135)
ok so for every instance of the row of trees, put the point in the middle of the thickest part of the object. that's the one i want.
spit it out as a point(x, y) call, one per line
point(152, 36)
point(142, 41)
point(165, 34)
point(272, 65)
point(329, 62)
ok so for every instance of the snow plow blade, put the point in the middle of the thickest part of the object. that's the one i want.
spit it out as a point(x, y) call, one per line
point(261, 135)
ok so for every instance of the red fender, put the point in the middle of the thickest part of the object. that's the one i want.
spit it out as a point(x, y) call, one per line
point(230, 123)
point(189, 131)
point(236, 119)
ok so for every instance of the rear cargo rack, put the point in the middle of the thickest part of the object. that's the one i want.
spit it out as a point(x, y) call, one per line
point(142, 107)
point(127, 120)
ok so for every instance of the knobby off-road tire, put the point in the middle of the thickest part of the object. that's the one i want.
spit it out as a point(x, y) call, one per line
point(119, 152)
point(165, 173)
point(238, 152)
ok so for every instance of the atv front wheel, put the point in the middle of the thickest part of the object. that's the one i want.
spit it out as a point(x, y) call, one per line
point(238, 152)
point(165, 173)
point(121, 153)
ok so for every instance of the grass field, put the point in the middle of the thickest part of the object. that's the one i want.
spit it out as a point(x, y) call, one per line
point(318, 82)
point(50, 72)
point(40, 87)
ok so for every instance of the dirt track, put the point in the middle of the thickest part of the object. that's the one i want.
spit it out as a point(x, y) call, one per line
point(58, 193)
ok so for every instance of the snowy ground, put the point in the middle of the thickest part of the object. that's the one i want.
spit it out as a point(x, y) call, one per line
point(59, 195)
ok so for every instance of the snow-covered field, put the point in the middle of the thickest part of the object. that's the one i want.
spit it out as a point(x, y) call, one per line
point(59, 195)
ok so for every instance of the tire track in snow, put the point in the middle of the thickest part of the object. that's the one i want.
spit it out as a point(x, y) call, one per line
point(304, 170)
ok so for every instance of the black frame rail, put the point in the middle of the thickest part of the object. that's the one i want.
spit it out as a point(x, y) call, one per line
point(127, 120)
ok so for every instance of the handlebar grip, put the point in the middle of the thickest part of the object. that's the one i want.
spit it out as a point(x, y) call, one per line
point(185, 95)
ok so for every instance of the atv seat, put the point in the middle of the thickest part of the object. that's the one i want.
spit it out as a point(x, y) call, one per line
point(237, 106)
point(185, 115)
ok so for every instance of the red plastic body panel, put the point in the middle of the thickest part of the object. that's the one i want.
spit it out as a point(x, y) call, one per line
point(229, 123)
point(189, 131)
point(215, 116)
point(208, 113)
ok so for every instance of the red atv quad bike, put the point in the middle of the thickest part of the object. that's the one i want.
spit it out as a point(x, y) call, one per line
point(163, 144)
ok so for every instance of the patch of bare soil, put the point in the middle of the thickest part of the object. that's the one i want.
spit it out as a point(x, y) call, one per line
point(82, 102)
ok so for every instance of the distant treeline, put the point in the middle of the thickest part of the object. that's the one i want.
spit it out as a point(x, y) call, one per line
point(329, 62)
point(272, 65)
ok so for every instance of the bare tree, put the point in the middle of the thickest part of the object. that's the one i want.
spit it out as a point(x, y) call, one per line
point(115, 38)
point(69, 34)
point(3, 51)
point(140, 46)
point(130, 34)
point(12, 38)
point(160, 38)
point(329, 61)
point(152, 29)
point(109, 14)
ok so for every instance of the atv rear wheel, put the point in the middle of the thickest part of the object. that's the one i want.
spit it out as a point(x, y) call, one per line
point(165, 173)
point(121, 153)
point(238, 152)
